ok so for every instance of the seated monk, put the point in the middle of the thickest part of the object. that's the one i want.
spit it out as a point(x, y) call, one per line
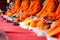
point(48, 8)
point(50, 15)
point(57, 12)
point(57, 17)
point(53, 27)
point(35, 6)
point(14, 8)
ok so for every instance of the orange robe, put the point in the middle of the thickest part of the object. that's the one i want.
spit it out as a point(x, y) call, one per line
point(55, 26)
point(58, 36)
point(15, 7)
point(35, 6)
point(24, 6)
point(48, 9)
point(57, 13)
point(44, 8)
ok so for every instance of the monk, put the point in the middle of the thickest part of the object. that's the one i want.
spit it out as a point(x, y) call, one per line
point(54, 28)
point(35, 6)
point(24, 6)
point(48, 19)
point(57, 13)
point(15, 7)
point(56, 23)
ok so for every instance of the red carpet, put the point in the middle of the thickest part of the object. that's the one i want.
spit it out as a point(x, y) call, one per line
point(17, 33)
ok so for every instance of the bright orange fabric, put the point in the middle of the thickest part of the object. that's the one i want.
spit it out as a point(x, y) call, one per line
point(15, 7)
point(57, 13)
point(24, 6)
point(35, 6)
point(49, 8)
point(56, 25)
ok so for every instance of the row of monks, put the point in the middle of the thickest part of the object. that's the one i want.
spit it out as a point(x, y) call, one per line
point(42, 14)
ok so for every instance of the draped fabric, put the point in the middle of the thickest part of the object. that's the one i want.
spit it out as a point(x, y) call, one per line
point(13, 10)
point(35, 7)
